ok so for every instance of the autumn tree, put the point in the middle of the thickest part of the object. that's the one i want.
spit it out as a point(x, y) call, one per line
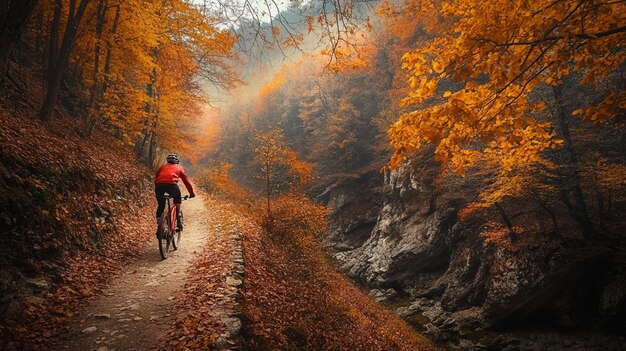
point(136, 68)
point(103, 42)
point(492, 57)
point(190, 50)
point(279, 165)
point(218, 181)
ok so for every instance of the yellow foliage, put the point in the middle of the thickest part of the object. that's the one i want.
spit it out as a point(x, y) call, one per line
point(271, 87)
point(301, 170)
point(279, 165)
point(205, 143)
point(606, 110)
point(148, 61)
point(217, 181)
point(502, 50)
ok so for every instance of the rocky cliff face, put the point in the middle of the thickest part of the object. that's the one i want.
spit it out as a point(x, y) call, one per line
point(404, 239)
point(410, 235)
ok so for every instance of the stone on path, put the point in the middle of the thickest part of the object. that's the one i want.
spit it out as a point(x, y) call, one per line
point(90, 330)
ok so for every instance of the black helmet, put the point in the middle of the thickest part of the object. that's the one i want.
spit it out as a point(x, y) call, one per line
point(172, 158)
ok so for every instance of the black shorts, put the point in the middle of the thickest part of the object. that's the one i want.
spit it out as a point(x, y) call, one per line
point(160, 189)
point(172, 189)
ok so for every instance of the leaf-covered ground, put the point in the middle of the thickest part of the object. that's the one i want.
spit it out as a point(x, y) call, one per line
point(147, 303)
point(296, 300)
point(208, 306)
point(73, 211)
point(83, 270)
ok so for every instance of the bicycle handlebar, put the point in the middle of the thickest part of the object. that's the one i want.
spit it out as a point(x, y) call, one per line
point(186, 197)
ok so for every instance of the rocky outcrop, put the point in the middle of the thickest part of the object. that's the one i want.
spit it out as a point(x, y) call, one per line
point(356, 202)
point(419, 254)
point(411, 235)
point(401, 246)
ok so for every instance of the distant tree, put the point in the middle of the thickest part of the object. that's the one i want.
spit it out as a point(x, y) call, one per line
point(140, 79)
point(279, 165)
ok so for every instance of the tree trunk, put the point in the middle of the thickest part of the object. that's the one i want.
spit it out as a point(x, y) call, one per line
point(39, 39)
point(59, 56)
point(14, 15)
point(89, 115)
point(52, 94)
point(152, 149)
point(507, 222)
point(107, 64)
point(141, 145)
point(579, 208)
point(544, 205)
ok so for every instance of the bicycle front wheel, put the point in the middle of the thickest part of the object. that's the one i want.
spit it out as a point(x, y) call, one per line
point(164, 236)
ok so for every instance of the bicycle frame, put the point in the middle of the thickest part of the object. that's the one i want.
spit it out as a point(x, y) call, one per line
point(172, 211)
point(168, 232)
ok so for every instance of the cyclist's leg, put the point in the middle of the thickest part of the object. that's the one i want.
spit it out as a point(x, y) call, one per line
point(177, 197)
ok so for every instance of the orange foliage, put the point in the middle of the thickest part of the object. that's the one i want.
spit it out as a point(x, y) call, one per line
point(295, 214)
point(205, 288)
point(277, 81)
point(276, 161)
point(217, 181)
point(145, 77)
point(501, 51)
point(318, 312)
point(205, 142)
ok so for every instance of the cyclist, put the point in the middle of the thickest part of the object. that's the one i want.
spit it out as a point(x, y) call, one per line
point(166, 181)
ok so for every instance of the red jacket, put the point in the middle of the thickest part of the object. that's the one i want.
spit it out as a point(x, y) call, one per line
point(170, 173)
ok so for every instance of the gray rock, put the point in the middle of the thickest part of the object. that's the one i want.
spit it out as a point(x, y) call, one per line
point(90, 330)
point(233, 282)
point(382, 295)
point(407, 235)
point(432, 331)
point(233, 324)
point(399, 242)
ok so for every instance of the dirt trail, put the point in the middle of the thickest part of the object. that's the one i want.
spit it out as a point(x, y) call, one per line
point(134, 312)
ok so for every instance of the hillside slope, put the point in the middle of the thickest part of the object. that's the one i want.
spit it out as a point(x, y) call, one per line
point(72, 210)
point(294, 298)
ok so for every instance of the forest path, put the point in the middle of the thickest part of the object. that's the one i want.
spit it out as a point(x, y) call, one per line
point(135, 311)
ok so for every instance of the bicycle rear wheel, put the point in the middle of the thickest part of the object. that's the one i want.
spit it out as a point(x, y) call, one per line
point(164, 236)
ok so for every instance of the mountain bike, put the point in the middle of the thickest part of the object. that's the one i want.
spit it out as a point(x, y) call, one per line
point(168, 233)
